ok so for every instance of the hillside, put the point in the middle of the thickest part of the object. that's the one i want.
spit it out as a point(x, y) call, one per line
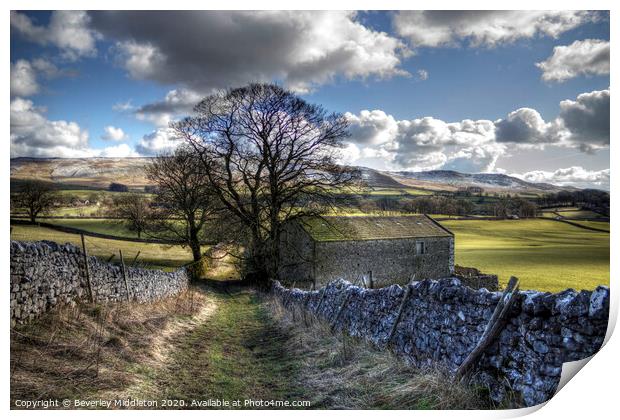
point(87, 172)
point(487, 181)
point(99, 172)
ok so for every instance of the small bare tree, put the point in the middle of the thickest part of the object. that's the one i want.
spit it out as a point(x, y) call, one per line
point(184, 201)
point(35, 197)
point(133, 210)
point(269, 157)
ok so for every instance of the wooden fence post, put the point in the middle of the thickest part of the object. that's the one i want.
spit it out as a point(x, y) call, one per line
point(400, 313)
point(493, 328)
point(320, 302)
point(86, 272)
point(120, 252)
point(135, 259)
point(340, 310)
point(304, 304)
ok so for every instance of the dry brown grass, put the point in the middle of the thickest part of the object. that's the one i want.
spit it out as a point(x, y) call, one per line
point(347, 373)
point(89, 349)
point(219, 344)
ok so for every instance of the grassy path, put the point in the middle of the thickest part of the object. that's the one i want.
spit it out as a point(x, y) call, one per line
point(236, 353)
point(207, 346)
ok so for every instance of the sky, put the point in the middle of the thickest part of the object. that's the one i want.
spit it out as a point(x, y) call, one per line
point(525, 93)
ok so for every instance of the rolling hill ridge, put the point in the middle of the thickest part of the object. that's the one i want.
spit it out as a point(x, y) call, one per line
point(100, 172)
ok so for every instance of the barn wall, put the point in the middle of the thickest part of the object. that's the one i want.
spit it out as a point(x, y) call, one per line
point(391, 261)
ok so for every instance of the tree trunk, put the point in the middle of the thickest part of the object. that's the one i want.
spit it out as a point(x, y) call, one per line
point(194, 243)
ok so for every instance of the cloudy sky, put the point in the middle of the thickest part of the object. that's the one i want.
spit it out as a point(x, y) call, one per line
point(522, 93)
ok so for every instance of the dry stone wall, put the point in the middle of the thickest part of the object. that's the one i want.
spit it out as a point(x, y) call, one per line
point(45, 275)
point(442, 321)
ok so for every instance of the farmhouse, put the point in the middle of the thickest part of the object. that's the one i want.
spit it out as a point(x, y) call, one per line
point(387, 250)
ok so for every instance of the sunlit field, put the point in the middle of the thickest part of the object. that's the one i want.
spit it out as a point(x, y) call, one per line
point(543, 254)
point(155, 255)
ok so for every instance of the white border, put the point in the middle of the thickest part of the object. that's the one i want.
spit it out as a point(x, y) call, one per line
point(592, 394)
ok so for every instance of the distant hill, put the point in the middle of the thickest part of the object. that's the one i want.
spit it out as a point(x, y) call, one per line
point(487, 181)
point(100, 172)
point(88, 172)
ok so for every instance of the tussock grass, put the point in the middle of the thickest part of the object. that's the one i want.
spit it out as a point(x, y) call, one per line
point(84, 350)
point(208, 344)
point(343, 372)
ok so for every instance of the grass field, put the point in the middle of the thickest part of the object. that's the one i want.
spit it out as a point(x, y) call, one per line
point(579, 214)
point(596, 225)
point(106, 226)
point(450, 216)
point(399, 191)
point(543, 254)
point(156, 255)
point(81, 211)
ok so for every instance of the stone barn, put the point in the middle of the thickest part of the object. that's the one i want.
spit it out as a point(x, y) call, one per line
point(387, 249)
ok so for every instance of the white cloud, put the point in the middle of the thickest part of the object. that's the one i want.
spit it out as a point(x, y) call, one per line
point(481, 158)
point(372, 127)
point(350, 154)
point(34, 135)
point(574, 176)
point(526, 126)
point(113, 133)
point(140, 60)
point(581, 58)
point(207, 50)
point(24, 75)
point(23, 79)
point(587, 120)
point(423, 143)
point(67, 30)
point(178, 102)
point(422, 74)
point(159, 141)
point(121, 150)
point(123, 106)
point(484, 28)
point(476, 145)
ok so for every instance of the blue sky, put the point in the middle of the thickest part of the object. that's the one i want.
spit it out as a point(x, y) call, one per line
point(443, 90)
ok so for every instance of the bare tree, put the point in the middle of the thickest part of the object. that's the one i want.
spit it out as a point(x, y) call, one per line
point(133, 210)
point(269, 157)
point(35, 197)
point(184, 201)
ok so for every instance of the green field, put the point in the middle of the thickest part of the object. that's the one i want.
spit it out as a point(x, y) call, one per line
point(156, 255)
point(114, 227)
point(596, 225)
point(451, 216)
point(579, 214)
point(543, 254)
point(399, 191)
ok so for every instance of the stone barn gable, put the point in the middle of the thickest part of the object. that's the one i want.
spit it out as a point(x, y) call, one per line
point(394, 248)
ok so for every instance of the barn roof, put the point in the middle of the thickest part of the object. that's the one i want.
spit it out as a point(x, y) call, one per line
point(360, 228)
